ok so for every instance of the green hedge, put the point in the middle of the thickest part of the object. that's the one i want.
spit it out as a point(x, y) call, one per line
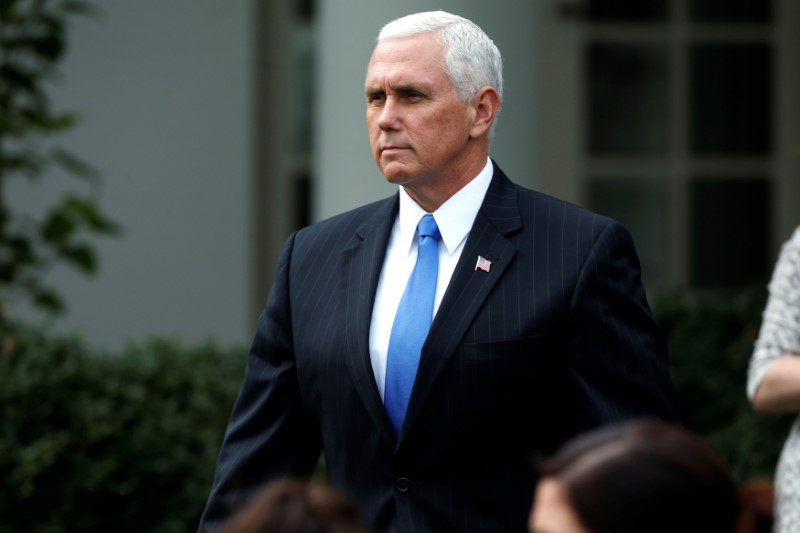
point(128, 441)
point(711, 338)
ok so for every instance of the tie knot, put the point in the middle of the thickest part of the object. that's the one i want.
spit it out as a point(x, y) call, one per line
point(427, 227)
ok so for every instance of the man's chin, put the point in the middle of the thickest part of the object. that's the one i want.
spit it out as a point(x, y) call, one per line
point(396, 173)
point(395, 179)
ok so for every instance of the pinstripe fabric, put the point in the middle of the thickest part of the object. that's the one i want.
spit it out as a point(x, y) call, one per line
point(555, 339)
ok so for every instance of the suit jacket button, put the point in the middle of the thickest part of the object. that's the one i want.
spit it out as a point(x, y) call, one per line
point(402, 484)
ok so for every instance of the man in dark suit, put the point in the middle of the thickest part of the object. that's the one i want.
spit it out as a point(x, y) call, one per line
point(431, 363)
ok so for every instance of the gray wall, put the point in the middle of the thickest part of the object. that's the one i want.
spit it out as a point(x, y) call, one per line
point(164, 92)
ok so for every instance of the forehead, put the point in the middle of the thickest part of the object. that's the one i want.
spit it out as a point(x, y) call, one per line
point(413, 59)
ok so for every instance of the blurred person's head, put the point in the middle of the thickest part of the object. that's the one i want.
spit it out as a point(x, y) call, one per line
point(644, 475)
point(297, 506)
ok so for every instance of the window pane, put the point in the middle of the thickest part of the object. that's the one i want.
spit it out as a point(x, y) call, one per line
point(730, 99)
point(303, 91)
point(729, 232)
point(627, 10)
point(305, 9)
point(628, 104)
point(748, 11)
point(642, 206)
point(302, 191)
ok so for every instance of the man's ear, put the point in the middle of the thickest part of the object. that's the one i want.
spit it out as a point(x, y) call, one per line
point(486, 104)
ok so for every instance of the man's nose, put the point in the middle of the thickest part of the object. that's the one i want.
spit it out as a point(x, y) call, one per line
point(389, 115)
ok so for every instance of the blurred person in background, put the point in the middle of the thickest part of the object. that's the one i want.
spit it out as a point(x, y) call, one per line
point(773, 379)
point(297, 506)
point(641, 476)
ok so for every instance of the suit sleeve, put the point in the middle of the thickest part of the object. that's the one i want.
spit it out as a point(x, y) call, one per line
point(270, 433)
point(617, 355)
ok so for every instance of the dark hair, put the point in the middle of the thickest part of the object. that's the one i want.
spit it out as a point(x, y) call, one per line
point(297, 506)
point(645, 475)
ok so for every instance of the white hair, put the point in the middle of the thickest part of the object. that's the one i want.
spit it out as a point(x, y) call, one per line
point(472, 60)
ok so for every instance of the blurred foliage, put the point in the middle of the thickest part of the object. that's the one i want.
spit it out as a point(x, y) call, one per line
point(33, 40)
point(124, 442)
point(128, 441)
point(711, 337)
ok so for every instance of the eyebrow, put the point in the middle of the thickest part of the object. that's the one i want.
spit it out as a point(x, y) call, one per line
point(399, 89)
point(407, 89)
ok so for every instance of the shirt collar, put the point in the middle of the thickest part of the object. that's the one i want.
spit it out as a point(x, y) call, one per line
point(454, 217)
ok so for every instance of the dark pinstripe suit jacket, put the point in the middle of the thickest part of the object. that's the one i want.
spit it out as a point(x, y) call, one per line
point(555, 339)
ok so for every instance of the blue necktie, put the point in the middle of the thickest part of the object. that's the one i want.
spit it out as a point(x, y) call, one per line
point(411, 324)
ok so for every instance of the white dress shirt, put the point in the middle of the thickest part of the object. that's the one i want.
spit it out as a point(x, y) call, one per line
point(454, 218)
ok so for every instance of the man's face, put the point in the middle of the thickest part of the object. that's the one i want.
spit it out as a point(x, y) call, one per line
point(419, 129)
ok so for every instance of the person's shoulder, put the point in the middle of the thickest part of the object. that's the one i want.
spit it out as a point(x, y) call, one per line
point(560, 211)
point(543, 204)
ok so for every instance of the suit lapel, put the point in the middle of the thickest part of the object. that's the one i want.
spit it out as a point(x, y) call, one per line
point(469, 287)
point(362, 261)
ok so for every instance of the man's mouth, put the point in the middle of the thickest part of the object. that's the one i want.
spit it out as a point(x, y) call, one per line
point(392, 148)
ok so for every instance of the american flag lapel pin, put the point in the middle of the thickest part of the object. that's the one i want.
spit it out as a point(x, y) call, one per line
point(483, 263)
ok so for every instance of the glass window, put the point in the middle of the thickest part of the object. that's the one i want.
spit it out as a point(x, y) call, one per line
point(627, 10)
point(642, 206)
point(303, 91)
point(747, 11)
point(305, 9)
point(628, 100)
point(730, 232)
point(731, 99)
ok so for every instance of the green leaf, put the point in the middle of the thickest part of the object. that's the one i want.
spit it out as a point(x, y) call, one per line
point(46, 45)
point(21, 249)
point(48, 300)
point(89, 213)
point(15, 78)
point(53, 25)
point(35, 119)
point(60, 121)
point(58, 226)
point(50, 46)
point(8, 270)
point(6, 9)
point(74, 165)
point(25, 162)
point(82, 256)
point(76, 7)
